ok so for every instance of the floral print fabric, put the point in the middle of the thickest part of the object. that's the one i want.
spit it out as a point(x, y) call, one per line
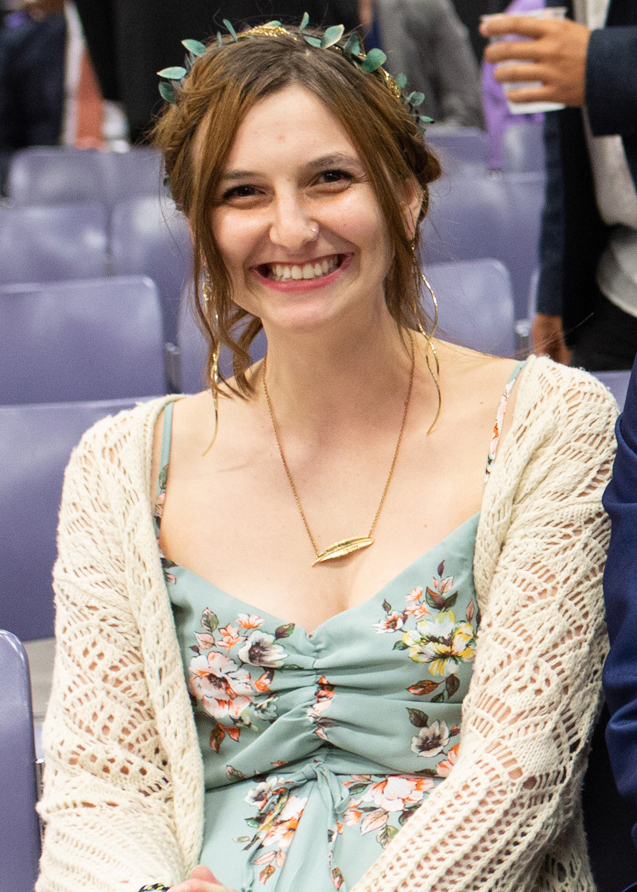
point(318, 747)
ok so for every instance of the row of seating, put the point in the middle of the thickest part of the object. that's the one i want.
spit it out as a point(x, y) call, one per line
point(55, 175)
point(102, 338)
point(471, 216)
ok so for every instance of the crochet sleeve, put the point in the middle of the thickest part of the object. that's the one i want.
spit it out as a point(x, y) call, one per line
point(506, 813)
point(107, 800)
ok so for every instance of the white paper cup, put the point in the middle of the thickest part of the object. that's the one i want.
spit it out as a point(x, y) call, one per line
point(527, 108)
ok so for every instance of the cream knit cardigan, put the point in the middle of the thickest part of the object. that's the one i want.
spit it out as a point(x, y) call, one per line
point(123, 797)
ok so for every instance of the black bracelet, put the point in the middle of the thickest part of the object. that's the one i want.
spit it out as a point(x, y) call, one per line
point(155, 887)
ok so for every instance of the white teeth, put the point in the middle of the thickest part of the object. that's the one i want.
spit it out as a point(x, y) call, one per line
point(281, 272)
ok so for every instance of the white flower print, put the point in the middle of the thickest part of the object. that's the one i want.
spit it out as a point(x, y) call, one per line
point(431, 741)
point(220, 685)
point(260, 650)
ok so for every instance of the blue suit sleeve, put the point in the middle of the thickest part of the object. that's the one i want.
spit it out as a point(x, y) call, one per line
point(620, 592)
point(611, 71)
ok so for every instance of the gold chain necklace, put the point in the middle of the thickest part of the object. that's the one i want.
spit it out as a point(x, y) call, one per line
point(343, 547)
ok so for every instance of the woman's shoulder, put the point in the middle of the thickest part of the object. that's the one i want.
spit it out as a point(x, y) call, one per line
point(116, 437)
point(565, 392)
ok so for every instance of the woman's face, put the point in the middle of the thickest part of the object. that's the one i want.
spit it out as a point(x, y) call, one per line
point(296, 219)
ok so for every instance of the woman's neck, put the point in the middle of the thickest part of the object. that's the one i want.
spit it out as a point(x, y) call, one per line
point(323, 384)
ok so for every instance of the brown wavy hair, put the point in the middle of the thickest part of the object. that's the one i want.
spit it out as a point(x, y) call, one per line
point(196, 133)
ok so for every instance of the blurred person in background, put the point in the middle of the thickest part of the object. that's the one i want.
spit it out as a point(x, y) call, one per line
point(587, 299)
point(426, 41)
point(130, 40)
point(48, 91)
point(496, 109)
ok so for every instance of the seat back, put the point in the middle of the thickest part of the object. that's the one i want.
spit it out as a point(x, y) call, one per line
point(19, 824)
point(458, 146)
point(48, 244)
point(150, 237)
point(617, 383)
point(86, 340)
point(193, 352)
point(475, 304)
point(35, 445)
point(50, 175)
point(487, 215)
point(523, 147)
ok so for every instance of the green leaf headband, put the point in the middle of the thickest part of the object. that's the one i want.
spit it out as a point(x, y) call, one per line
point(351, 49)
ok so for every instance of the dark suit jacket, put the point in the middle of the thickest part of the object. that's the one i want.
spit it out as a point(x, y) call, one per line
point(573, 235)
point(130, 40)
point(620, 592)
point(31, 85)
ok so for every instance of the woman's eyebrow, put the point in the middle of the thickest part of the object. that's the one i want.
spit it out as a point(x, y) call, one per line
point(338, 159)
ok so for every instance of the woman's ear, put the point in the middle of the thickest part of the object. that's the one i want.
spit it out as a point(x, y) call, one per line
point(411, 205)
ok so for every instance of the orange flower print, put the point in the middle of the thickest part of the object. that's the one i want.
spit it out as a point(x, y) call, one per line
point(251, 621)
point(443, 769)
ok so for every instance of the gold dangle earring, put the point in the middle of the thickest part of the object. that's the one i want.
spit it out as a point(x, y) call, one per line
point(433, 364)
point(206, 290)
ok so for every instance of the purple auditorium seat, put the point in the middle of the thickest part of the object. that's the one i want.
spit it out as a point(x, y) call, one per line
point(54, 175)
point(467, 219)
point(475, 303)
point(523, 148)
point(35, 445)
point(193, 352)
point(19, 824)
point(519, 250)
point(90, 339)
point(150, 237)
point(617, 383)
point(58, 175)
point(458, 146)
point(47, 244)
point(487, 215)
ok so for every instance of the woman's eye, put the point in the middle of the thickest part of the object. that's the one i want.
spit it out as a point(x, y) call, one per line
point(237, 193)
point(330, 177)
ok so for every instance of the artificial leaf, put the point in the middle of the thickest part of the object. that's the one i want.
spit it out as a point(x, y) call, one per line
point(305, 21)
point(418, 718)
point(196, 47)
point(353, 45)
point(332, 35)
point(167, 92)
point(426, 119)
point(174, 73)
point(373, 60)
point(219, 39)
point(401, 81)
point(313, 41)
point(416, 99)
point(230, 29)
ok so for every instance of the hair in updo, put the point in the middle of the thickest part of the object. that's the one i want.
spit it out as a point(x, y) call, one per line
point(196, 134)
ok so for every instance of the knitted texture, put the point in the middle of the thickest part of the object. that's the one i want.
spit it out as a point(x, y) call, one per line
point(123, 795)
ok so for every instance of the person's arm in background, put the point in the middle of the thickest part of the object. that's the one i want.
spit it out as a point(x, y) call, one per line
point(620, 594)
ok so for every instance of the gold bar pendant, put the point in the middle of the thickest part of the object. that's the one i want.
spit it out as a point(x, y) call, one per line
point(342, 548)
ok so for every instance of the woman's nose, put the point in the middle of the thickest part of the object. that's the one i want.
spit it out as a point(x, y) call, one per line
point(292, 226)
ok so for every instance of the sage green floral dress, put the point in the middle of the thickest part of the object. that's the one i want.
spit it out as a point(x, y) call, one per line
point(318, 747)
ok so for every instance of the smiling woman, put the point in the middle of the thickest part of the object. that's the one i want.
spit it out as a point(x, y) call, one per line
point(330, 650)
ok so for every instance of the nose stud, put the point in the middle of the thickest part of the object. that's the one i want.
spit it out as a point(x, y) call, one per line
point(314, 229)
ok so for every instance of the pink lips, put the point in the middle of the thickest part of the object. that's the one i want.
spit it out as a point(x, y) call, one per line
point(304, 284)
